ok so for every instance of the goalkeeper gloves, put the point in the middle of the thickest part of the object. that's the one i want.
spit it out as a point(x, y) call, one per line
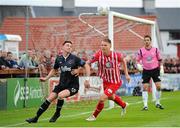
point(139, 67)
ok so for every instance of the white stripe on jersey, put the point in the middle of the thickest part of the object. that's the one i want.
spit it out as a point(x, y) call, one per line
point(115, 63)
point(110, 70)
point(117, 70)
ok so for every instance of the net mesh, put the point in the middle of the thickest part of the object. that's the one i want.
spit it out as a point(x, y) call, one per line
point(51, 32)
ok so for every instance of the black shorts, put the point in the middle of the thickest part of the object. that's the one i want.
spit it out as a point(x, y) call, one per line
point(148, 74)
point(72, 89)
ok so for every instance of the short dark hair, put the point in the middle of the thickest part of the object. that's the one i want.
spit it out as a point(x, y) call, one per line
point(9, 53)
point(67, 41)
point(147, 36)
point(107, 40)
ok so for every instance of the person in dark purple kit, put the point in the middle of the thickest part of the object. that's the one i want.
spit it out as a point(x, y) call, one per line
point(68, 83)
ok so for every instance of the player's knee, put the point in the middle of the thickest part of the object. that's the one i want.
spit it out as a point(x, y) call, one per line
point(52, 97)
point(60, 96)
point(103, 98)
point(145, 88)
point(64, 94)
point(158, 88)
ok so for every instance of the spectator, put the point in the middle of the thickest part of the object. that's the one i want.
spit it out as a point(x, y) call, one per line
point(3, 62)
point(26, 61)
point(11, 61)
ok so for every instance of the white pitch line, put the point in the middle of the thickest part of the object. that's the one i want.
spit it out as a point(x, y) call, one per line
point(67, 116)
point(83, 113)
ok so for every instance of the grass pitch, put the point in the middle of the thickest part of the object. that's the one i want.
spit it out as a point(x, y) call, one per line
point(74, 114)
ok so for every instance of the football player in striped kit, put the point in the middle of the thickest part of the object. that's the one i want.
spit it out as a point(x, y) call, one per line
point(108, 70)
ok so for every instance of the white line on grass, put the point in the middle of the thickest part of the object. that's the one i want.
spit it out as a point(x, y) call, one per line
point(75, 115)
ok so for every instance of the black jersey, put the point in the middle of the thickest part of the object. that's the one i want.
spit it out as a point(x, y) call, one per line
point(66, 66)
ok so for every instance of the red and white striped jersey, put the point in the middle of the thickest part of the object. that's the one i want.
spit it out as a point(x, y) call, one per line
point(108, 66)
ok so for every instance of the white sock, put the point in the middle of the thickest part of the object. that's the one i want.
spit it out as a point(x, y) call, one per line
point(111, 104)
point(158, 96)
point(145, 98)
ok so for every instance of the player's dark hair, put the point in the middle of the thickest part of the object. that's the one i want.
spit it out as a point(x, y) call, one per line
point(67, 41)
point(107, 40)
point(147, 36)
point(9, 53)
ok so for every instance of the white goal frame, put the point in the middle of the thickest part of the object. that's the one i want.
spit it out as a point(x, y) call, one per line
point(112, 14)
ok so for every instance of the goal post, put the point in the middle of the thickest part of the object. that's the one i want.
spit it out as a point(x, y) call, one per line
point(112, 14)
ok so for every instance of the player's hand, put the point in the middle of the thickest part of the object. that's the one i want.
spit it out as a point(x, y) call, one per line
point(42, 79)
point(75, 72)
point(140, 67)
point(86, 84)
point(128, 78)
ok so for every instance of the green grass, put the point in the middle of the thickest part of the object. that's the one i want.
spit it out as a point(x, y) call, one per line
point(74, 114)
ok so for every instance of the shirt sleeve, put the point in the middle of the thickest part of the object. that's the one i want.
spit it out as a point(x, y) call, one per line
point(159, 57)
point(56, 64)
point(80, 62)
point(120, 56)
point(95, 57)
point(139, 56)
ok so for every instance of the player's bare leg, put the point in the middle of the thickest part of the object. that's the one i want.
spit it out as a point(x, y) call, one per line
point(60, 102)
point(98, 109)
point(119, 102)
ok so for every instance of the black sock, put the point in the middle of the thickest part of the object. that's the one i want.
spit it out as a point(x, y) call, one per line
point(59, 106)
point(42, 108)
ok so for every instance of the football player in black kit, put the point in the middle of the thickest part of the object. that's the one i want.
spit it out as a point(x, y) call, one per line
point(68, 82)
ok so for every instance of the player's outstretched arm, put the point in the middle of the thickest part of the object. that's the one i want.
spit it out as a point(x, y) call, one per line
point(51, 73)
point(77, 72)
point(88, 72)
point(87, 69)
point(125, 70)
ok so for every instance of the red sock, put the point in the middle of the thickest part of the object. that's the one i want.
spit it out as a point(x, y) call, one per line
point(119, 101)
point(99, 108)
